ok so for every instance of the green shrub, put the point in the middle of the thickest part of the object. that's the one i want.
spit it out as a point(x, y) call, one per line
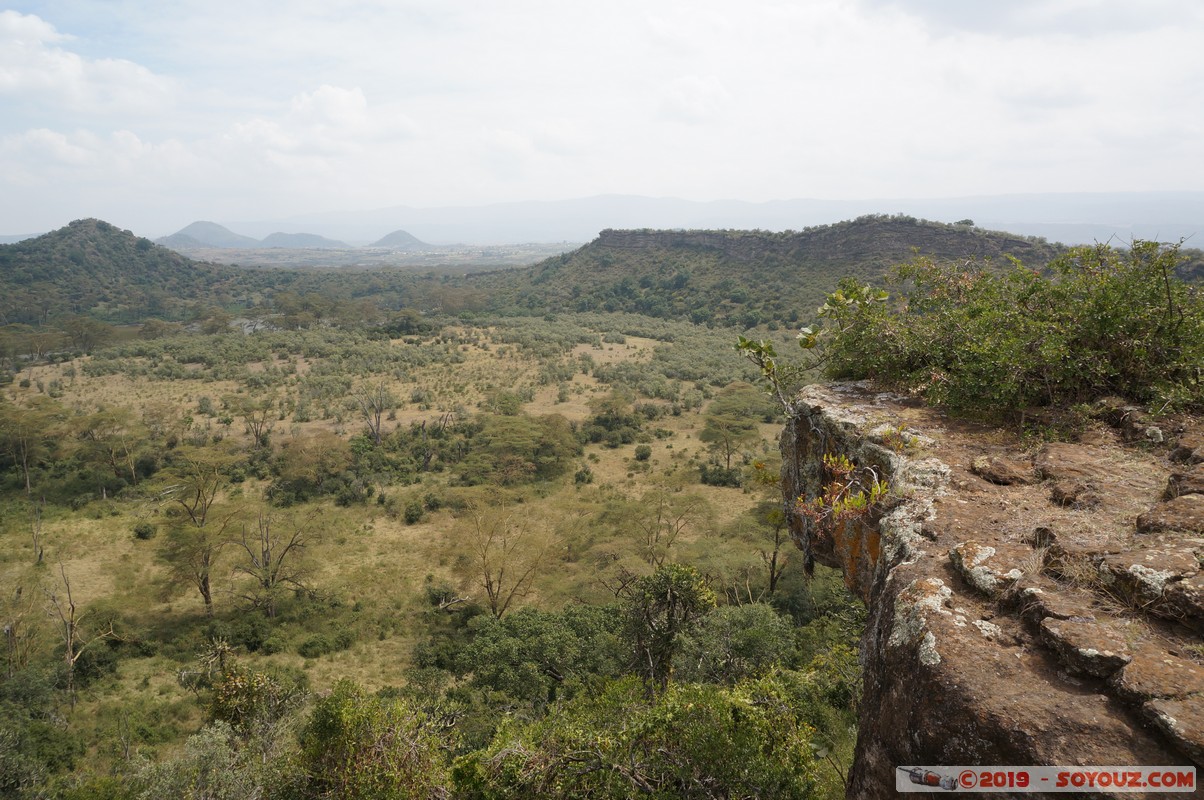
point(144, 531)
point(359, 746)
point(716, 475)
point(688, 741)
point(1100, 321)
point(315, 646)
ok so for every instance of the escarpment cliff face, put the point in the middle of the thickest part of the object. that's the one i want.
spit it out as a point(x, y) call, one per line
point(1028, 605)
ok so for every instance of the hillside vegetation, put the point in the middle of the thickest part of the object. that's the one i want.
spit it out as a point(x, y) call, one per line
point(741, 278)
point(1100, 322)
point(365, 533)
point(91, 267)
point(273, 554)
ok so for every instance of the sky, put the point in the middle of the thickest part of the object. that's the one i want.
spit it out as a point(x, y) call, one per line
point(153, 114)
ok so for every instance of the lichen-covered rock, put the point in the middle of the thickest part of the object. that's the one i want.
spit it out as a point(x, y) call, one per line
point(1146, 574)
point(1038, 597)
point(1184, 513)
point(913, 606)
point(992, 569)
point(1183, 723)
point(1086, 647)
point(1134, 423)
point(1185, 602)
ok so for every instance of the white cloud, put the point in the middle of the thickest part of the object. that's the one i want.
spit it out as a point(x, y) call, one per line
point(695, 98)
point(267, 112)
point(35, 70)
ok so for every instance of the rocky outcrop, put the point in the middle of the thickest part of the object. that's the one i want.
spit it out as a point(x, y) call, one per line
point(1024, 607)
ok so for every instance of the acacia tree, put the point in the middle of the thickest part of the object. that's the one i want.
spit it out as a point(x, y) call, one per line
point(727, 434)
point(273, 558)
point(660, 608)
point(112, 438)
point(508, 550)
point(18, 625)
point(193, 546)
point(775, 539)
point(258, 417)
point(27, 434)
point(86, 333)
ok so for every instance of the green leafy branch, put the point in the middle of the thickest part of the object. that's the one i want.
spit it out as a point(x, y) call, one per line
point(840, 309)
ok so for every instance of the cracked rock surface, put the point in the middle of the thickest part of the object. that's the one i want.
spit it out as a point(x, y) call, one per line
point(1027, 605)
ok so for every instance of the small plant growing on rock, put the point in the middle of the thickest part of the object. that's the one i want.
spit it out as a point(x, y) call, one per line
point(850, 493)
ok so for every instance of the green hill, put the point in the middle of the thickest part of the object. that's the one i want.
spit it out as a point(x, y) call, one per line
point(92, 267)
point(739, 277)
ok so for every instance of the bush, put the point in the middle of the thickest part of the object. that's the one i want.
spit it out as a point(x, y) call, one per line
point(359, 746)
point(315, 646)
point(688, 741)
point(144, 531)
point(413, 512)
point(716, 475)
point(1101, 321)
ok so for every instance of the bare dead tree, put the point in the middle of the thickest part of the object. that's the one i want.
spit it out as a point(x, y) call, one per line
point(70, 618)
point(618, 581)
point(661, 521)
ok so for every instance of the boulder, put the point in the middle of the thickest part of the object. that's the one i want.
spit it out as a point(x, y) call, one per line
point(1002, 470)
point(1182, 721)
point(993, 569)
point(1183, 513)
point(1189, 481)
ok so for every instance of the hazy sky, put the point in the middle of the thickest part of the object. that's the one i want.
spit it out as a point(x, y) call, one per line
point(153, 114)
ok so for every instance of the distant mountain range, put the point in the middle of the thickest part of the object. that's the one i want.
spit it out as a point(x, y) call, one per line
point(726, 277)
point(200, 235)
point(210, 234)
point(1070, 218)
